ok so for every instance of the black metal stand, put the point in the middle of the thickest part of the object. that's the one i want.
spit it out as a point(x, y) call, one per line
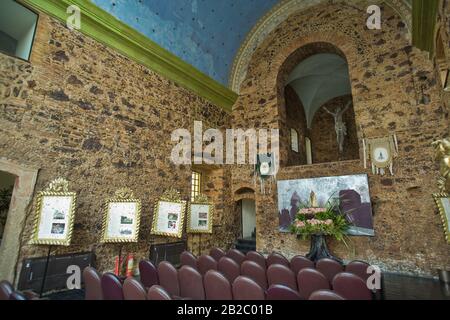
point(44, 277)
point(319, 249)
point(199, 245)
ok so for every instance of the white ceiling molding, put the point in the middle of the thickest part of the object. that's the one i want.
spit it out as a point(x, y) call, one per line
point(280, 13)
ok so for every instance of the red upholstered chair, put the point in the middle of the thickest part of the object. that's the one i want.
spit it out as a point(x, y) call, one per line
point(217, 253)
point(255, 272)
point(325, 295)
point(229, 268)
point(157, 292)
point(236, 255)
point(351, 287)
point(280, 292)
point(92, 284)
point(256, 257)
point(17, 296)
point(111, 287)
point(133, 290)
point(217, 287)
point(148, 273)
point(300, 262)
point(280, 274)
point(6, 289)
point(191, 283)
point(358, 268)
point(275, 257)
point(329, 268)
point(245, 288)
point(188, 259)
point(206, 263)
point(168, 278)
point(30, 295)
point(310, 280)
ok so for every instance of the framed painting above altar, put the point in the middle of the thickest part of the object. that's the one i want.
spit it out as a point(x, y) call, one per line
point(350, 194)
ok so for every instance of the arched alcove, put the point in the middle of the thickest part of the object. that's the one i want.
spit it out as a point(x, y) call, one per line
point(314, 85)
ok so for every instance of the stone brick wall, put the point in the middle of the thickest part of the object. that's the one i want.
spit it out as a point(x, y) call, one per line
point(386, 76)
point(295, 119)
point(84, 112)
point(323, 135)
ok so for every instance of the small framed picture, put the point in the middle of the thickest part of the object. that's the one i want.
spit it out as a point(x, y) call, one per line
point(122, 218)
point(169, 215)
point(443, 203)
point(200, 216)
point(168, 219)
point(54, 215)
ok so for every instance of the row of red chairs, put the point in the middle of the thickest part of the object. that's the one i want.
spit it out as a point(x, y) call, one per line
point(328, 267)
point(166, 282)
point(110, 287)
point(7, 292)
point(282, 272)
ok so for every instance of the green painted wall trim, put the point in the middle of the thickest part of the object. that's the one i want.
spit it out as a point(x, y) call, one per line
point(103, 27)
point(424, 23)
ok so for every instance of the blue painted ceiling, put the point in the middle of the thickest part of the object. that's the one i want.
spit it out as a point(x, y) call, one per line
point(205, 33)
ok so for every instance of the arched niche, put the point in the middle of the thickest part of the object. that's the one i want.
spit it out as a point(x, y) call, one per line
point(313, 81)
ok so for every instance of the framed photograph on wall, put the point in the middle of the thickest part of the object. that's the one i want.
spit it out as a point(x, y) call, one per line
point(169, 215)
point(54, 214)
point(443, 203)
point(200, 215)
point(121, 218)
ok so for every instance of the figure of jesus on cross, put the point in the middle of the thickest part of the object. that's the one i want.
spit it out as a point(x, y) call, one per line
point(339, 124)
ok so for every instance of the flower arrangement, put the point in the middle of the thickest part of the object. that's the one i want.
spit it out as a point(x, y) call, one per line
point(320, 221)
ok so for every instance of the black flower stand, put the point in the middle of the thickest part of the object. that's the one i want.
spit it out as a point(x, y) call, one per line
point(319, 249)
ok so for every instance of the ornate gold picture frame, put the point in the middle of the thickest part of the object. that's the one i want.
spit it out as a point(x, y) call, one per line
point(443, 203)
point(169, 214)
point(200, 215)
point(54, 214)
point(121, 218)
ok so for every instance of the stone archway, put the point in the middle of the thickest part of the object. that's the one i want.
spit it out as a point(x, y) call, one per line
point(20, 201)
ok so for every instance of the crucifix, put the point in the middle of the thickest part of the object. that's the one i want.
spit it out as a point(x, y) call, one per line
point(339, 124)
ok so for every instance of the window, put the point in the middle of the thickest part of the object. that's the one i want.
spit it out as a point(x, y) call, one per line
point(196, 184)
point(17, 27)
point(294, 140)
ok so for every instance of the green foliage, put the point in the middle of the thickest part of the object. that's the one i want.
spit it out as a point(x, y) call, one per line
point(326, 221)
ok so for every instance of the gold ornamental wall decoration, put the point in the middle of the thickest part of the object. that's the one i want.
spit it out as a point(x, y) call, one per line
point(380, 152)
point(168, 218)
point(442, 154)
point(54, 214)
point(122, 218)
point(200, 215)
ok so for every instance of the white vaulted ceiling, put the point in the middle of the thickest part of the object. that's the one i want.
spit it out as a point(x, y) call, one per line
point(318, 79)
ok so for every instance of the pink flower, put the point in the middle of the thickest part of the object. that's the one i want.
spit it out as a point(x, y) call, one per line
point(300, 224)
point(329, 222)
point(312, 210)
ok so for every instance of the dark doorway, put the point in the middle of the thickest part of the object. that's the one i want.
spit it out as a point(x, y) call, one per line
point(7, 181)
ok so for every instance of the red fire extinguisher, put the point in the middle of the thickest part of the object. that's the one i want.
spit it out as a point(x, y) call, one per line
point(117, 266)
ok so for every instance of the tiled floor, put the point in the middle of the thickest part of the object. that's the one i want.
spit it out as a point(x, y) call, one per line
point(404, 287)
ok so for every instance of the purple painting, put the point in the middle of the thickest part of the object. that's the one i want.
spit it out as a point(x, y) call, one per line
point(350, 193)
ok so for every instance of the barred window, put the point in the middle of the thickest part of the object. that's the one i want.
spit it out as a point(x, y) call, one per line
point(195, 184)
